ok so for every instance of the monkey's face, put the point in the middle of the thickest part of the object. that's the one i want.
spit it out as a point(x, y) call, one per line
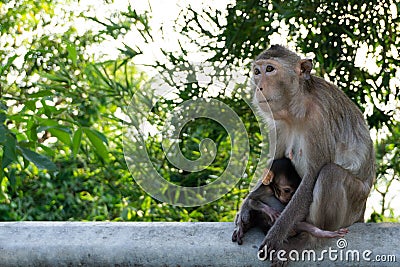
point(284, 191)
point(273, 84)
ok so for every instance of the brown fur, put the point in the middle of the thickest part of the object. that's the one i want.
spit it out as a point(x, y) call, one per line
point(330, 144)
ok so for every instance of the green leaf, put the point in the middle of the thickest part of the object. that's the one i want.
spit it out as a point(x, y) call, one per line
point(46, 122)
point(12, 178)
point(8, 64)
point(10, 153)
point(129, 51)
point(72, 53)
point(62, 134)
point(146, 204)
point(100, 135)
point(76, 142)
point(97, 143)
point(41, 93)
point(3, 106)
point(55, 78)
point(32, 131)
point(48, 150)
point(3, 117)
point(31, 105)
point(42, 162)
point(3, 132)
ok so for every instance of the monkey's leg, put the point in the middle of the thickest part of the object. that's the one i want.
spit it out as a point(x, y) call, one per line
point(317, 232)
point(243, 222)
point(338, 198)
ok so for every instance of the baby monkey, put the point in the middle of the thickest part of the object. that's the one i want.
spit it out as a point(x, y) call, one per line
point(265, 203)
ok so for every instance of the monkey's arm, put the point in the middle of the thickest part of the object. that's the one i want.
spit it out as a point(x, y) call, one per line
point(272, 211)
point(299, 206)
point(295, 212)
point(316, 154)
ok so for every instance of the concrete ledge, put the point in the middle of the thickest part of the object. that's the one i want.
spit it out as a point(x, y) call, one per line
point(167, 244)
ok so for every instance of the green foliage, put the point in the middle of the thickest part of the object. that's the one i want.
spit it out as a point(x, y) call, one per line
point(377, 217)
point(53, 146)
point(60, 133)
point(332, 31)
point(388, 173)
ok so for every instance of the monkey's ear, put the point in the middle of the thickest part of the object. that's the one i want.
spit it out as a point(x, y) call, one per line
point(305, 68)
point(268, 178)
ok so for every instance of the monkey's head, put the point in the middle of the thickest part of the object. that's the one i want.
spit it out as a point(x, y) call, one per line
point(284, 188)
point(283, 179)
point(278, 74)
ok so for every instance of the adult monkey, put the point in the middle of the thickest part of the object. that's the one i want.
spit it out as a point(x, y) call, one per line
point(324, 134)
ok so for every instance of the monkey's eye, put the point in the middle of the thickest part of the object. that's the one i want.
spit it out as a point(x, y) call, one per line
point(269, 68)
point(286, 190)
point(256, 72)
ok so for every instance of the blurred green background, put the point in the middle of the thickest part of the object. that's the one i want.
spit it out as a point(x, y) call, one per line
point(69, 69)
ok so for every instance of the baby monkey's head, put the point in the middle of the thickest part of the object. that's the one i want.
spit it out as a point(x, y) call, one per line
point(283, 179)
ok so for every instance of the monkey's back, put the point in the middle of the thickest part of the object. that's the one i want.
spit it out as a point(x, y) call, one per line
point(351, 145)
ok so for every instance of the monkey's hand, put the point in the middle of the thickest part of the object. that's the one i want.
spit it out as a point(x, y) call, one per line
point(272, 214)
point(272, 243)
point(274, 240)
point(242, 222)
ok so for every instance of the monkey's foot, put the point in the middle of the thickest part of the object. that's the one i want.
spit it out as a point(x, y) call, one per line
point(331, 234)
point(241, 221)
point(237, 235)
